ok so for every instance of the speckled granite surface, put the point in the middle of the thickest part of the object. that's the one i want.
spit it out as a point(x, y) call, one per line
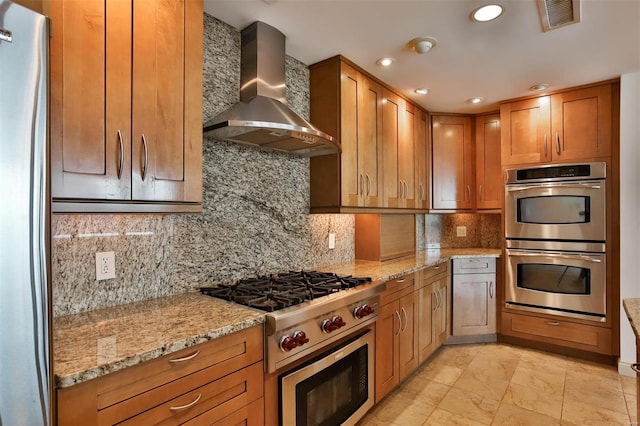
point(632, 308)
point(92, 344)
point(483, 230)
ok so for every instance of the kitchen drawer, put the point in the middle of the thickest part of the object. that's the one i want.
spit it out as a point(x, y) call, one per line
point(397, 288)
point(426, 276)
point(474, 265)
point(216, 399)
point(198, 365)
point(557, 332)
point(249, 415)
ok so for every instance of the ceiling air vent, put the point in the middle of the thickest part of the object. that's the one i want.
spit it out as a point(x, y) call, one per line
point(558, 13)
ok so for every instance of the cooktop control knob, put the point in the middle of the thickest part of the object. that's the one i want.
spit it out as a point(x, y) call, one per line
point(300, 337)
point(328, 326)
point(362, 311)
point(287, 343)
point(338, 321)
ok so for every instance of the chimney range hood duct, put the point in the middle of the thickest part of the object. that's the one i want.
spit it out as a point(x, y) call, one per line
point(261, 118)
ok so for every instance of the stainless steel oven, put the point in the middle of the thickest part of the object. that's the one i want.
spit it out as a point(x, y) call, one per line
point(559, 278)
point(334, 388)
point(556, 202)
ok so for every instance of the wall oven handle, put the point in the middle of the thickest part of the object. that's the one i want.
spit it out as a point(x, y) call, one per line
point(399, 323)
point(553, 185)
point(525, 253)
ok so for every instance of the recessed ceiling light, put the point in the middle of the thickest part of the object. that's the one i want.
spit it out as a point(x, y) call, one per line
point(384, 62)
point(486, 13)
point(475, 100)
point(539, 87)
point(422, 44)
point(422, 91)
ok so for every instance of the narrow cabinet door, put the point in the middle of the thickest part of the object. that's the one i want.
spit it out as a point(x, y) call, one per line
point(422, 161)
point(391, 113)
point(90, 99)
point(407, 154)
point(526, 131)
point(489, 184)
point(167, 86)
point(353, 179)
point(452, 166)
point(369, 139)
point(387, 340)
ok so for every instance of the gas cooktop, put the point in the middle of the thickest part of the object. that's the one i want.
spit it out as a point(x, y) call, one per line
point(278, 291)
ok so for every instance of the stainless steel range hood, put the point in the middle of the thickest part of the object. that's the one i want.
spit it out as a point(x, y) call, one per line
point(262, 117)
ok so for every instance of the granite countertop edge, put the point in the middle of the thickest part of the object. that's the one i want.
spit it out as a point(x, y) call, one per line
point(632, 308)
point(386, 271)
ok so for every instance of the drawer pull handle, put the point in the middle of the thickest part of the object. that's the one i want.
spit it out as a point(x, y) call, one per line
point(185, 358)
point(189, 405)
point(401, 280)
point(636, 367)
point(436, 267)
point(554, 323)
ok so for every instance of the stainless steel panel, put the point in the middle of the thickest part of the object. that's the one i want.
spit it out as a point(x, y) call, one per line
point(570, 246)
point(598, 171)
point(25, 304)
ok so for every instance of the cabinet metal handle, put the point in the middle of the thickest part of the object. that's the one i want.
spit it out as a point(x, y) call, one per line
point(469, 192)
point(557, 143)
point(480, 193)
point(401, 280)
point(185, 358)
point(361, 184)
point(491, 289)
point(436, 267)
point(406, 319)
point(145, 163)
point(438, 296)
point(406, 190)
point(121, 152)
point(368, 184)
point(545, 144)
point(636, 367)
point(554, 323)
point(401, 189)
point(435, 308)
point(399, 323)
point(189, 405)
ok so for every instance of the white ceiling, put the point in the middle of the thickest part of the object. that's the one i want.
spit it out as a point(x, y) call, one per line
point(497, 60)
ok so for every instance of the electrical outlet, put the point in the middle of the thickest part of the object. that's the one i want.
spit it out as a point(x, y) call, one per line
point(332, 240)
point(461, 231)
point(105, 265)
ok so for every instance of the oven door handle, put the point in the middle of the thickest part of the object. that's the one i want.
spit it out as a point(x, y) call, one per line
point(524, 253)
point(553, 185)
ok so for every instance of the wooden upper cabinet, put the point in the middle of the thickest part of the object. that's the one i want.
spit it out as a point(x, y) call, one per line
point(113, 82)
point(452, 163)
point(422, 135)
point(489, 184)
point(581, 123)
point(563, 127)
point(348, 105)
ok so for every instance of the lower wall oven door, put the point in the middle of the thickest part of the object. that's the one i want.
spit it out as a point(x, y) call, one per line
point(564, 283)
point(336, 388)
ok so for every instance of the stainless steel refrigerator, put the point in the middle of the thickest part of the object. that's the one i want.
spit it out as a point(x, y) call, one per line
point(25, 290)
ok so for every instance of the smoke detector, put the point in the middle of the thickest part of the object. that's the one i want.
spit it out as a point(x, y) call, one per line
point(558, 13)
point(422, 44)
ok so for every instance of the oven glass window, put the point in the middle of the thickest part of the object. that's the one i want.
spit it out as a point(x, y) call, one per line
point(554, 278)
point(332, 395)
point(557, 209)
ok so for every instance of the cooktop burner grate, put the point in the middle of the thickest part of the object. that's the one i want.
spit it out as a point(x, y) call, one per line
point(279, 291)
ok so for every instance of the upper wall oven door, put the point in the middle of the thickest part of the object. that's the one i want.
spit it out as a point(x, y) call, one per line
point(570, 210)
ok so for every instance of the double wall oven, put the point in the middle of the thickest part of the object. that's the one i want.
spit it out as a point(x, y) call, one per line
point(555, 228)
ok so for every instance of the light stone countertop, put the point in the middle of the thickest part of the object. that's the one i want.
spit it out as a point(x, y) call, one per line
point(94, 343)
point(632, 308)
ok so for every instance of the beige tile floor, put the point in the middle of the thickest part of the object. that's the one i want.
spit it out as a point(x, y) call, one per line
point(496, 384)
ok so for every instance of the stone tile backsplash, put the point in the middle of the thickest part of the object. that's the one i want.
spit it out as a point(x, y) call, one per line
point(483, 230)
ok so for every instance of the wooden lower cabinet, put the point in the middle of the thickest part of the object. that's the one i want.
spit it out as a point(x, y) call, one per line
point(585, 337)
point(413, 323)
point(214, 382)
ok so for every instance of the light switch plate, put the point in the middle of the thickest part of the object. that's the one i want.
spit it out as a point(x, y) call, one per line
point(461, 231)
point(332, 241)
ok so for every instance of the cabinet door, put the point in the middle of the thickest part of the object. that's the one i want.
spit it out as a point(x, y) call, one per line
point(452, 166)
point(489, 184)
point(408, 353)
point(392, 110)
point(91, 99)
point(352, 176)
point(441, 312)
point(474, 304)
point(426, 306)
point(422, 161)
point(407, 154)
point(387, 340)
point(167, 101)
point(526, 131)
point(369, 139)
point(581, 123)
